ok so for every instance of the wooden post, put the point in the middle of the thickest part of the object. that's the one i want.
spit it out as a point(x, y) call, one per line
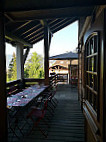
point(104, 81)
point(20, 61)
point(50, 37)
point(3, 99)
point(70, 72)
point(46, 54)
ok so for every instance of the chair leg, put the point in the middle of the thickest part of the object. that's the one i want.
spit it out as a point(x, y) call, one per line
point(52, 108)
point(42, 131)
point(31, 130)
point(13, 132)
point(55, 99)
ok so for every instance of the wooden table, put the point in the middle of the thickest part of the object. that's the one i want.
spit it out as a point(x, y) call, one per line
point(24, 97)
point(19, 104)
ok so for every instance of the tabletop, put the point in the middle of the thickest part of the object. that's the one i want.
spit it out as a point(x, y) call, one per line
point(24, 97)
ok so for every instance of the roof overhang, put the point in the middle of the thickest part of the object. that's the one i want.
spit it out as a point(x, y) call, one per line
point(65, 56)
point(23, 18)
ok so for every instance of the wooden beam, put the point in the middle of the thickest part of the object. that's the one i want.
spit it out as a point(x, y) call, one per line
point(59, 23)
point(14, 38)
point(3, 99)
point(23, 5)
point(37, 39)
point(9, 18)
point(104, 81)
point(88, 21)
point(21, 26)
point(26, 54)
point(29, 30)
point(31, 34)
point(36, 36)
point(50, 37)
point(85, 27)
point(64, 24)
point(44, 23)
point(51, 13)
point(46, 54)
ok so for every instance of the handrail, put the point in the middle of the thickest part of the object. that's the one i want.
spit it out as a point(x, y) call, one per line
point(13, 82)
point(60, 77)
point(16, 85)
point(32, 81)
point(13, 87)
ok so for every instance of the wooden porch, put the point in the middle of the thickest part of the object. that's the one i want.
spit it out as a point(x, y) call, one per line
point(67, 124)
point(23, 24)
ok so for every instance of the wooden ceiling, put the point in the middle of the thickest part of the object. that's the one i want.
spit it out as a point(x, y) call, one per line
point(23, 17)
point(26, 5)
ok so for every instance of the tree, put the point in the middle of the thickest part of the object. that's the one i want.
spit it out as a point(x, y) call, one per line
point(34, 67)
point(12, 71)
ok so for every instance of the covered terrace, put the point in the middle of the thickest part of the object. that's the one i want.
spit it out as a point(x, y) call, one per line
point(24, 23)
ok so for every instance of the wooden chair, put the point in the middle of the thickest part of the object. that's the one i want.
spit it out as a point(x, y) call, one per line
point(13, 127)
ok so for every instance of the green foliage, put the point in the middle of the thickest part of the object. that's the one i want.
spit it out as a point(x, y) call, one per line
point(34, 67)
point(12, 71)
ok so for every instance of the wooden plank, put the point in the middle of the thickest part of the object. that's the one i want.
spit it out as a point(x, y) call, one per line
point(67, 125)
point(12, 83)
point(37, 39)
point(92, 55)
point(92, 90)
point(91, 72)
point(33, 80)
point(3, 100)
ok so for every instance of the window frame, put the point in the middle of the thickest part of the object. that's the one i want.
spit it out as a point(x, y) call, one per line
point(92, 71)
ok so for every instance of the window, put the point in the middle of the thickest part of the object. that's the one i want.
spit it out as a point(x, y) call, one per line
point(91, 55)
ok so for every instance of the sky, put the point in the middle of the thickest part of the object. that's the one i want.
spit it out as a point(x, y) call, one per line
point(63, 41)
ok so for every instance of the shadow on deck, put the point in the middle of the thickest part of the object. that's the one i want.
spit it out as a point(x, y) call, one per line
point(67, 124)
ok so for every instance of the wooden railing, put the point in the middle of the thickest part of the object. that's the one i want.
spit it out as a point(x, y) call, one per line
point(58, 78)
point(13, 87)
point(62, 77)
point(16, 86)
point(31, 81)
point(53, 81)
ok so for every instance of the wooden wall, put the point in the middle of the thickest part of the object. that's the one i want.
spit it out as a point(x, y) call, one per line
point(95, 122)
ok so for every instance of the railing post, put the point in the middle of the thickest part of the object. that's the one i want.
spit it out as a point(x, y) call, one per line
point(55, 80)
point(3, 99)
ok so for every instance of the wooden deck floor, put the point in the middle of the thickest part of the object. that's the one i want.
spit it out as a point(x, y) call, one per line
point(67, 125)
